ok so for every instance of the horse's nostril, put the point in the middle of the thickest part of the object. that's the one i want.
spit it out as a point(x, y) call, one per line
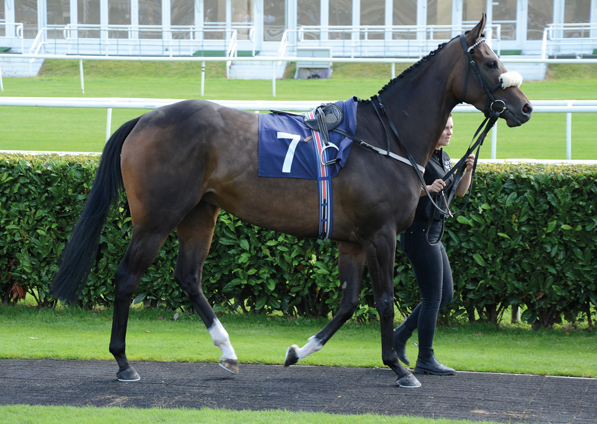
point(527, 108)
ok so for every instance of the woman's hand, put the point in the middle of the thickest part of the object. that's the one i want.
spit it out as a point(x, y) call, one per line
point(465, 182)
point(437, 186)
point(470, 162)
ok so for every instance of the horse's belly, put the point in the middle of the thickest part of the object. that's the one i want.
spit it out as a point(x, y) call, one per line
point(286, 205)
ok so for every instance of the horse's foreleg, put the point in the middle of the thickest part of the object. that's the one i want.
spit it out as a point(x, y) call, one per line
point(194, 234)
point(381, 254)
point(351, 261)
point(139, 255)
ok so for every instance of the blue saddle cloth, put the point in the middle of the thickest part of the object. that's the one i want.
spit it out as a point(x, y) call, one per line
point(287, 148)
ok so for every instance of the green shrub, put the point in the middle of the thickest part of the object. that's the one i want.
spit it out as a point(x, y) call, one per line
point(527, 238)
point(39, 200)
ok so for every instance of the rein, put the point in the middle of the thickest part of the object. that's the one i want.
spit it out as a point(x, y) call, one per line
point(458, 171)
point(493, 109)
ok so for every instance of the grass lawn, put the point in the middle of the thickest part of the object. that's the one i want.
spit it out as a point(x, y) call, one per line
point(18, 414)
point(83, 130)
point(70, 333)
point(26, 332)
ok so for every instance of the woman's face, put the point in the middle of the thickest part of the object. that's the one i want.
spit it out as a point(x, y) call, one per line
point(444, 139)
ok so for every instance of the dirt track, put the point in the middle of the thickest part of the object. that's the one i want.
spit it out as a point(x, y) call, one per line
point(473, 396)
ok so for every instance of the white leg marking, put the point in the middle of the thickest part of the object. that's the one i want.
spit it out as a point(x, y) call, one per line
point(220, 338)
point(311, 347)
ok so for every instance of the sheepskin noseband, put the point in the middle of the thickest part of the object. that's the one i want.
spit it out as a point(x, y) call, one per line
point(511, 79)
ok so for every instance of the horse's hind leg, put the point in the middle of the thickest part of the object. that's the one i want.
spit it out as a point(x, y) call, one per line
point(141, 252)
point(194, 234)
point(351, 261)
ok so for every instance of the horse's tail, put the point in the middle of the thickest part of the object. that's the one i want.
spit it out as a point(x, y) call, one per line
point(79, 255)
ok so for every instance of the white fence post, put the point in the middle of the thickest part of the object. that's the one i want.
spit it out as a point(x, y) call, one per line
point(569, 134)
point(109, 124)
point(1, 84)
point(494, 142)
point(81, 73)
point(274, 78)
point(202, 78)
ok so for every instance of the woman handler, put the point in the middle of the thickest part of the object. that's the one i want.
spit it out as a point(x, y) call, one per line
point(422, 244)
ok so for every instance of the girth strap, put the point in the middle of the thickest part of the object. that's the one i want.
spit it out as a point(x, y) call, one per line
point(324, 184)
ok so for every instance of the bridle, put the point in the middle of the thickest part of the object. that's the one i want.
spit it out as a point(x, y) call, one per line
point(492, 106)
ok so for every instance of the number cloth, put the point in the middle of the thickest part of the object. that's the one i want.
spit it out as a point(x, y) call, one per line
point(288, 149)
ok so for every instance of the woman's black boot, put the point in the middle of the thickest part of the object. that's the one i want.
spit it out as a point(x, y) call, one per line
point(401, 336)
point(427, 364)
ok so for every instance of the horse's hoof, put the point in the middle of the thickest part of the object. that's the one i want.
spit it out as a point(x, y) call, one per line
point(291, 356)
point(409, 381)
point(128, 374)
point(230, 365)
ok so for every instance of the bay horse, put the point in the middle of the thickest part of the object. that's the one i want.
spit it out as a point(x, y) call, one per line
point(180, 164)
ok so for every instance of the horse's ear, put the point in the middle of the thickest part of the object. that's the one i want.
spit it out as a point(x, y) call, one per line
point(473, 35)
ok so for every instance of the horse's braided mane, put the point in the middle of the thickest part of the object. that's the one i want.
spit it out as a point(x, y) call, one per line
point(406, 71)
point(411, 68)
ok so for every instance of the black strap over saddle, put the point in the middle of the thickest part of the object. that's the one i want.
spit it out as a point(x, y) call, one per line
point(328, 116)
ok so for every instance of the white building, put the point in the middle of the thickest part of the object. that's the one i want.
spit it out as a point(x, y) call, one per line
point(351, 28)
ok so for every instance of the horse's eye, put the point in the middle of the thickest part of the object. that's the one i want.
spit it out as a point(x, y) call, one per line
point(492, 64)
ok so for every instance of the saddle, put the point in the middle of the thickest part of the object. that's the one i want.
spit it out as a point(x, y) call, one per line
point(328, 116)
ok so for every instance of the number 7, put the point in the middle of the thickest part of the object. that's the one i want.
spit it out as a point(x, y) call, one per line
point(290, 153)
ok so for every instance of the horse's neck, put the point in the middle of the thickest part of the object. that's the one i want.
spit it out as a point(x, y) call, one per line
point(419, 106)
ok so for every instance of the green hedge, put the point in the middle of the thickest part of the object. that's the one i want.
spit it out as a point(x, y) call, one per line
point(528, 238)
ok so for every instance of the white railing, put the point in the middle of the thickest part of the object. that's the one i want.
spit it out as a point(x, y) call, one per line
point(378, 40)
point(569, 39)
point(231, 51)
point(252, 39)
point(389, 60)
point(539, 106)
point(38, 42)
point(177, 40)
point(283, 44)
point(13, 31)
point(272, 60)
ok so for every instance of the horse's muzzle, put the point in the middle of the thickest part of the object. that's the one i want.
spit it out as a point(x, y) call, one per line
point(527, 109)
point(517, 119)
